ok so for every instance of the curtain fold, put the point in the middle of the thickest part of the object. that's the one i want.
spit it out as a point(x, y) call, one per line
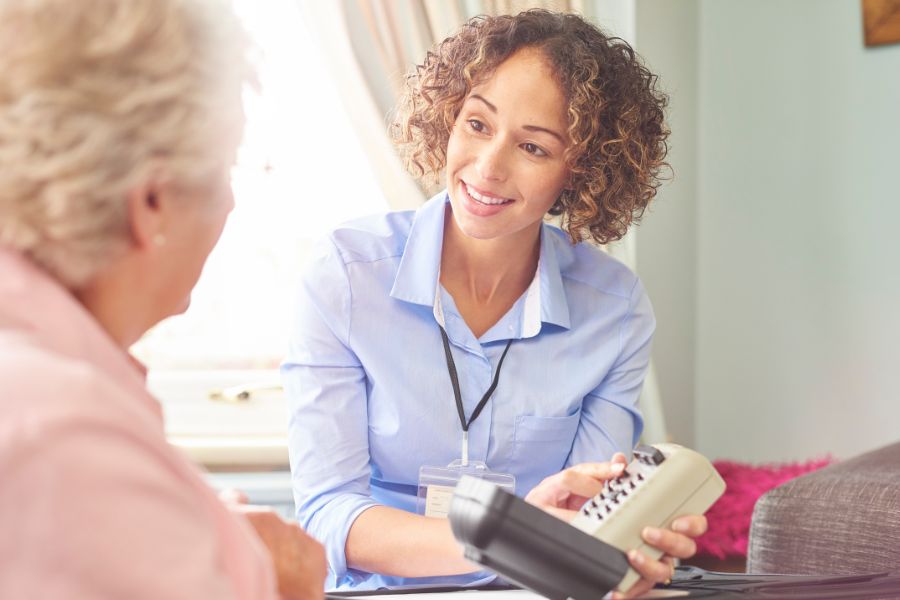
point(334, 31)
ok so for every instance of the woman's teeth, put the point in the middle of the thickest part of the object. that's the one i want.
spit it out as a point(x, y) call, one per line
point(484, 198)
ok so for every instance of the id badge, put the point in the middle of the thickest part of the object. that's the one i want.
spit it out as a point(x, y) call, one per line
point(436, 484)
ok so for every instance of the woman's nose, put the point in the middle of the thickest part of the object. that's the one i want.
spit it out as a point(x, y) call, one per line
point(492, 162)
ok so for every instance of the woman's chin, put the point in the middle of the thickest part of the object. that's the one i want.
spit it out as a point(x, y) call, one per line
point(185, 305)
point(179, 309)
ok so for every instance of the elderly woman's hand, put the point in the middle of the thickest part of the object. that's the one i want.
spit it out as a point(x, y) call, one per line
point(564, 493)
point(299, 560)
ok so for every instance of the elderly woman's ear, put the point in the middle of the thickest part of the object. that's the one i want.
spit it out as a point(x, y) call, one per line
point(151, 208)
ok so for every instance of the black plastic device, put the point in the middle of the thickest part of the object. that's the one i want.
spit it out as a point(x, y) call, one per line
point(530, 547)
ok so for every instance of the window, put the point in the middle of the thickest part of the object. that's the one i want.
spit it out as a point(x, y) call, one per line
point(300, 172)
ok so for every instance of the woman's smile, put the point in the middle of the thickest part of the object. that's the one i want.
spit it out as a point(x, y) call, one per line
point(481, 203)
point(505, 156)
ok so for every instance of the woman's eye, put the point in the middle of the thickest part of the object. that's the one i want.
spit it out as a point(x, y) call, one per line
point(534, 149)
point(476, 125)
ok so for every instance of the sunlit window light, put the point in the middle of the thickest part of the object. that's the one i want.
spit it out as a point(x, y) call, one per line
point(300, 172)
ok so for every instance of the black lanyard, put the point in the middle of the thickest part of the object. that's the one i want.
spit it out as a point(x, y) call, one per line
point(454, 379)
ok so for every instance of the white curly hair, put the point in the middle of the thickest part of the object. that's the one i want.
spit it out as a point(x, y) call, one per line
point(95, 96)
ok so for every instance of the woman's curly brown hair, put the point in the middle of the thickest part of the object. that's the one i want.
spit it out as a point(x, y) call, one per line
point(615, 112)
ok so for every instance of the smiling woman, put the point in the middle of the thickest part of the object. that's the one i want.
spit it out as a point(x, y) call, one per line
point(506, 168)
point(471, 334)
point(506, 158)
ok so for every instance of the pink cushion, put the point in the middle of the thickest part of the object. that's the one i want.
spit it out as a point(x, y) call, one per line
point(729, 518)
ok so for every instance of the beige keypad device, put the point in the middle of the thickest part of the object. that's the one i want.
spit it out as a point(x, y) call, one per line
point(662, 482)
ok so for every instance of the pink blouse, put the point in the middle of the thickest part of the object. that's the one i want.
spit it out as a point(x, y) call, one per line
point(94, 503)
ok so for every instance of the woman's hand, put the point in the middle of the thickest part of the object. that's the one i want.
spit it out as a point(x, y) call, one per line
point(299, 560)
point(564, 494)
point(677, 542)
point(567, 491)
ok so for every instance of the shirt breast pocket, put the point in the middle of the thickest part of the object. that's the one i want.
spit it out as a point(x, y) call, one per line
point(541, 445)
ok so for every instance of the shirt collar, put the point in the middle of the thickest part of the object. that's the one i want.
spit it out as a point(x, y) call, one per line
point(419, 271)
point(553, 304)
point(420, 265)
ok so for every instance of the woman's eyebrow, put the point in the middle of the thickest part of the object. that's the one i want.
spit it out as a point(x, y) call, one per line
point(545, 130)
point(493, 109)
point(488, 104)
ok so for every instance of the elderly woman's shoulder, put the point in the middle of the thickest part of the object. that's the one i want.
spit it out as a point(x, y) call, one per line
point(43, 392)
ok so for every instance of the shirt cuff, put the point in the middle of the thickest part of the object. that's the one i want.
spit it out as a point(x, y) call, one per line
point(331, 524)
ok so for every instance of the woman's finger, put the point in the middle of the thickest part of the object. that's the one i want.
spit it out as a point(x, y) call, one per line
point(587, 479)
point(233, 496)
point(651, 571)
point(671, 543)
point(692, 526)
point(582, 481)
point(657, 571)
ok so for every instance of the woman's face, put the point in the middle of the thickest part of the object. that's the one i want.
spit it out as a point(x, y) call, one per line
point(202, 212)
point(505, 163)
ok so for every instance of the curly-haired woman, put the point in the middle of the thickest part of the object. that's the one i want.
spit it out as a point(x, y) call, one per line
point(471, 329)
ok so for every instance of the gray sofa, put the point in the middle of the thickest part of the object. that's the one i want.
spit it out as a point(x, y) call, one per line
point(841, 520)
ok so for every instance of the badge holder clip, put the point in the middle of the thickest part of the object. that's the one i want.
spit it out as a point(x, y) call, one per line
point(436, 484)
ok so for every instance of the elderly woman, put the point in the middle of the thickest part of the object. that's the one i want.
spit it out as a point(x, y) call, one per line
point(119, 121)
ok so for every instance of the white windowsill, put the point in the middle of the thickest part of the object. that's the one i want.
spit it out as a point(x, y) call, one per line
point(224, 434)
point(251, 453)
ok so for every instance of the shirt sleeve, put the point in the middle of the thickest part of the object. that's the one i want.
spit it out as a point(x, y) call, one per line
point(328, 425)
point(89, 513)
point(610, 419)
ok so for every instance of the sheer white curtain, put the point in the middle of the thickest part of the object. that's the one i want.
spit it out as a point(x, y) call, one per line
point(372, 44)
point(333, 31)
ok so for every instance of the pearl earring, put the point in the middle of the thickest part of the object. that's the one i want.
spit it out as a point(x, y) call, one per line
point(159, 239)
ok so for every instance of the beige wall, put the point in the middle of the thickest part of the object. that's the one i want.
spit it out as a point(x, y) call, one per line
point(773, 261)
point(666, 36)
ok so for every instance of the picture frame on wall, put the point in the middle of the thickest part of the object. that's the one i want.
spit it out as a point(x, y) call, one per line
point(881, 22)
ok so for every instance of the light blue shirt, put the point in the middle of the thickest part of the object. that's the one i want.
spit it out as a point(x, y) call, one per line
point(371, 400)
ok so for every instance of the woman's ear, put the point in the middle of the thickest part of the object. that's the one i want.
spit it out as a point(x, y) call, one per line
point(146, 214)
